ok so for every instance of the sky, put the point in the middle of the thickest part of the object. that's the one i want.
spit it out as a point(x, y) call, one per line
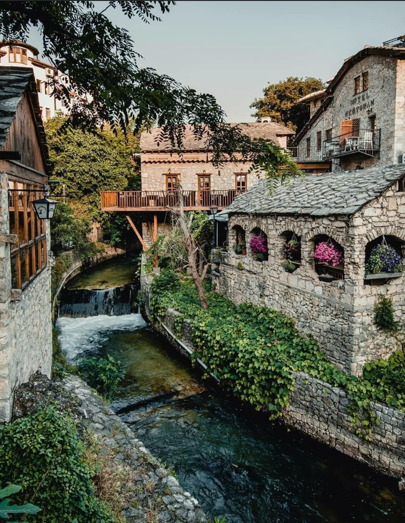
point(234, 49)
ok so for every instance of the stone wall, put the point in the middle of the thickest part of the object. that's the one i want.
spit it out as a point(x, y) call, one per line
point(320, 410)
point(382, 99)
point(339, 314)
point(25, 321)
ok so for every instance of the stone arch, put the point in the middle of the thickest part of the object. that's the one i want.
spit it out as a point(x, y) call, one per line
point(378, 262)
point(259, 256)
point(290, 250)
point(390, 230)
point(331, 232)
point(238, 239)
point(327, 270)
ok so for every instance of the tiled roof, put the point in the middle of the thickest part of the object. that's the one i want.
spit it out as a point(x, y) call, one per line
point(268, 131)
point(319, 195)
point(14, 82)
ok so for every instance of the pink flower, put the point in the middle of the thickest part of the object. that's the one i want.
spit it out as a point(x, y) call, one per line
point(258, 244)
point(327, 252)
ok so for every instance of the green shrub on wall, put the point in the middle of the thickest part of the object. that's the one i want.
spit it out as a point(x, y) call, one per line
point(255, 350)
point(384, 315)
point(44, 454)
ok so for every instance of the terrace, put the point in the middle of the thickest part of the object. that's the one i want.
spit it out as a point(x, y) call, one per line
point(360, 141)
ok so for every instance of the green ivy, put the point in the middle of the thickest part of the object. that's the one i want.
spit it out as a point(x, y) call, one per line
point(255, 350)
point(44, 454)
point(384, 315)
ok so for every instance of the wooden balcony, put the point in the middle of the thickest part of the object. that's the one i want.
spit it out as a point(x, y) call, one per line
point(162, 200)
point(362, 141)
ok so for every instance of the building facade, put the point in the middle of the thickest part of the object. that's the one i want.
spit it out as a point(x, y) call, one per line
point(358, 121)
point(334, 302)
point(203, 184)
point(25, 274)
point(26, 55)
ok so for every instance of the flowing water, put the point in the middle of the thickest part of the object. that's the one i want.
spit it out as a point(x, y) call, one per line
point(237, 464)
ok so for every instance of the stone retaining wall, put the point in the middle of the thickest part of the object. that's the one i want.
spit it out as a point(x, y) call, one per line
point(321, 411)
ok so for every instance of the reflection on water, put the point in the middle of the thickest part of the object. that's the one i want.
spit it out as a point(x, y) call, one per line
point(112, 273)
point(235, 462)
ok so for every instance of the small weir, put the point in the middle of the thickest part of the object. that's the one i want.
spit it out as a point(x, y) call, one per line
point(234, 461)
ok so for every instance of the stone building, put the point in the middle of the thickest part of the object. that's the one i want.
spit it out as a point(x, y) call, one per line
point(25, 274)
point(203, 184)
point(26, 55)
point(354, 212)
point(358, 121)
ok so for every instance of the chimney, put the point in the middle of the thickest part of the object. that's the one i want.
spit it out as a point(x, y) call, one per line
point(264, 119)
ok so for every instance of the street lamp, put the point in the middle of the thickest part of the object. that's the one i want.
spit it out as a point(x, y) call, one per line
point(214, 210)
point(44, 208)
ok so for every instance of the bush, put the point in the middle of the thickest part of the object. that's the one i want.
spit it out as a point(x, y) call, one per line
point(384, 315)
point(6, 509)
point(44, 454)
point(104, 375)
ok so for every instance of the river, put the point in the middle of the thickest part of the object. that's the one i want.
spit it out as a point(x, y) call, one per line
point(234, 461)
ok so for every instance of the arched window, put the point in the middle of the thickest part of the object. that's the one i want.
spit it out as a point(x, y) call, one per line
point(291, 251)
point(384, 258)
point(258, 245)
point(239, 240)
point(328, 259)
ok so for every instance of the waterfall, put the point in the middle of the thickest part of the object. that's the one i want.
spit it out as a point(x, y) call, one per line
point(81, 303)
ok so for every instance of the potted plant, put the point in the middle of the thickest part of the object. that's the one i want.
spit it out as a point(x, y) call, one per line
point(238, 249)
point(258, 247)
point(292, 253)
point(289, 266)
point(384, 259)
point(243, 247)
point(327, 253)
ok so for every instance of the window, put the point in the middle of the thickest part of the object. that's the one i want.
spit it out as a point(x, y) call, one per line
point(319, 140)
point(401, 185)
point(171, 182)
point(48, 89)
point(365, 80)
point(48, 113)
point(17, 55)
point(39, 86)
point(308, 146)
point(240, 182)
point(328, 134)
point(29, 254)
point(372, 123)
point(361, 83)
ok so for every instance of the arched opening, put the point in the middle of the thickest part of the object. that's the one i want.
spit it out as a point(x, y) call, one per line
point(239, 240)
point(291, 251)
point(258, 245)
point(384, 258)
point(328, 258)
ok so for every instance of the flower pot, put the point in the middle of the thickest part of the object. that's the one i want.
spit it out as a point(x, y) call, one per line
point(243, 251)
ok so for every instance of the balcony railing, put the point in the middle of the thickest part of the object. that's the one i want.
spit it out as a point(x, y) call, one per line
point(162, 200)
point(361, 141)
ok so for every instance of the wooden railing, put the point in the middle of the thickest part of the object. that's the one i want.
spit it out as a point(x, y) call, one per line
point(162, 200)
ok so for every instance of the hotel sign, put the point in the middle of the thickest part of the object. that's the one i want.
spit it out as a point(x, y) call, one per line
point(361, 103)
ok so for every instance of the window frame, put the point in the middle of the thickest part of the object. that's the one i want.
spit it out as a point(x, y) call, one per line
point(30, 251)
point(308, 147)
point(363, 77)
point(357, 85)
point(238, 182)
point(319, 141)
point(169, 184)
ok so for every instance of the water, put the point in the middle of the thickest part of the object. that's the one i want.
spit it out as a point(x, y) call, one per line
point(110, 289)
point(237, 464)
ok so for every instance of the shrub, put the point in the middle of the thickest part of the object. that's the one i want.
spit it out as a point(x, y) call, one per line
point(328, 252)
point(383, 258)
point(44, 454)
point(384, 315)
point(258, 244)
point(104, 375)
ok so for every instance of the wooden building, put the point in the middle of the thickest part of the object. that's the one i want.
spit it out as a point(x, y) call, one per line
point(25, 275)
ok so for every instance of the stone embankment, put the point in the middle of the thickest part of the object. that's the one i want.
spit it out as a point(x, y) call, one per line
point(321, 411)
point(152, 492)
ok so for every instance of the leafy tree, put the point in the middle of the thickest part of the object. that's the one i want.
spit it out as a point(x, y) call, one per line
point(89, 162)
point(99, 59)
point(280, 101)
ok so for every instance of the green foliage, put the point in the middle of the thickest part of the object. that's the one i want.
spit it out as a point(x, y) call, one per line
point(219, 520)
point(255, 350)
point(6, 509)
point(60, 367)
point(62, 264)
point(104, 375)
point(117, 229)
point(384, 315)
point(280, 101)
point(89, 162)
point(44, 454)
point(70, 231)
point(388, 375)
point(289, 266)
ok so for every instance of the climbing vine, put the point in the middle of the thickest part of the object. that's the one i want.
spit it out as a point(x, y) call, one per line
point(255, 350)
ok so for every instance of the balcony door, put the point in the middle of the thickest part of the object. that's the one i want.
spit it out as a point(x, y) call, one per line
point(349, 129)
point(204, 190)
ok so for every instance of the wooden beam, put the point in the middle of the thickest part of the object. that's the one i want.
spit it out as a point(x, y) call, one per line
point(145, 248)
point(155, 227)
